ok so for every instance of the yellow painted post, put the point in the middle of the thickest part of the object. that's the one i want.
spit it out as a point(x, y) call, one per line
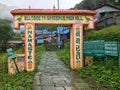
point(78, 46)
point(29, 46)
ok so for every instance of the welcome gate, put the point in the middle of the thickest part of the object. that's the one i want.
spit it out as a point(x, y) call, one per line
point(76, 19)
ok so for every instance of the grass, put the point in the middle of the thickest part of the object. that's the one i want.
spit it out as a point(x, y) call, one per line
point(3, 57)
point(101, 75)
point(64, 54)
point(111, 33)
point(23, 80)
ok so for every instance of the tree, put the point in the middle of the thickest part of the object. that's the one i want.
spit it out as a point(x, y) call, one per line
point(85, 4)
point(5, 33)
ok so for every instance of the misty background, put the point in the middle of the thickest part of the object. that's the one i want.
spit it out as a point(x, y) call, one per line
point(5, 11)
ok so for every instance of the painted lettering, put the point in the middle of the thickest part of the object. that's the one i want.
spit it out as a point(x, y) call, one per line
point(29, 36)
point(77, 32)
point(30, 40)
point(29, 48)
point(56, 18)
point(30, 57)
point(77, 40)
point(29, 45)
point(32, 18)
point(29, 32)
point(77, 52)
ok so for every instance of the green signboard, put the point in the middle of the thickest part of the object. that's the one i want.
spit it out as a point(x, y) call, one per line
point(94, 48)
point(111, 48)
point(102, 49)
point(11, 54)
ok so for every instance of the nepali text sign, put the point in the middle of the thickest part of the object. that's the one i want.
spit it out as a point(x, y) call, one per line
point(77, 39)
point(94, 48)
point(111, 48)
point(78, 45)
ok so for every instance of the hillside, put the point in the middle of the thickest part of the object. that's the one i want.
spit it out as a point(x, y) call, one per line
point(111, 33)
point(92, 4)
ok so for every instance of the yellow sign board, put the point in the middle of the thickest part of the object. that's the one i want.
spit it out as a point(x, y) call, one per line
point(54, 19)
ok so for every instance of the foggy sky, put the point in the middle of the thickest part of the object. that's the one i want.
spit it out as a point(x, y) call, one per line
point(41, 4)
point(7, 5)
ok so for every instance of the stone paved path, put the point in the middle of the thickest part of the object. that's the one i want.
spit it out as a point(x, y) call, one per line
point(53, 75)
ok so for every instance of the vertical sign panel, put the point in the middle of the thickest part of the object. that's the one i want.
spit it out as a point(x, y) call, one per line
point(29, 47)
point(78, 45)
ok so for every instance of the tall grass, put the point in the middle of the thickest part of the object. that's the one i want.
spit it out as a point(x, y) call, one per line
point(64, 54)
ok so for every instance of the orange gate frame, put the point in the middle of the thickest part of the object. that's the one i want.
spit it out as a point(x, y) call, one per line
point(75, 18)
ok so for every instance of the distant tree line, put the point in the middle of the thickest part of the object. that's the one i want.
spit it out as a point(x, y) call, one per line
point(92, 4)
